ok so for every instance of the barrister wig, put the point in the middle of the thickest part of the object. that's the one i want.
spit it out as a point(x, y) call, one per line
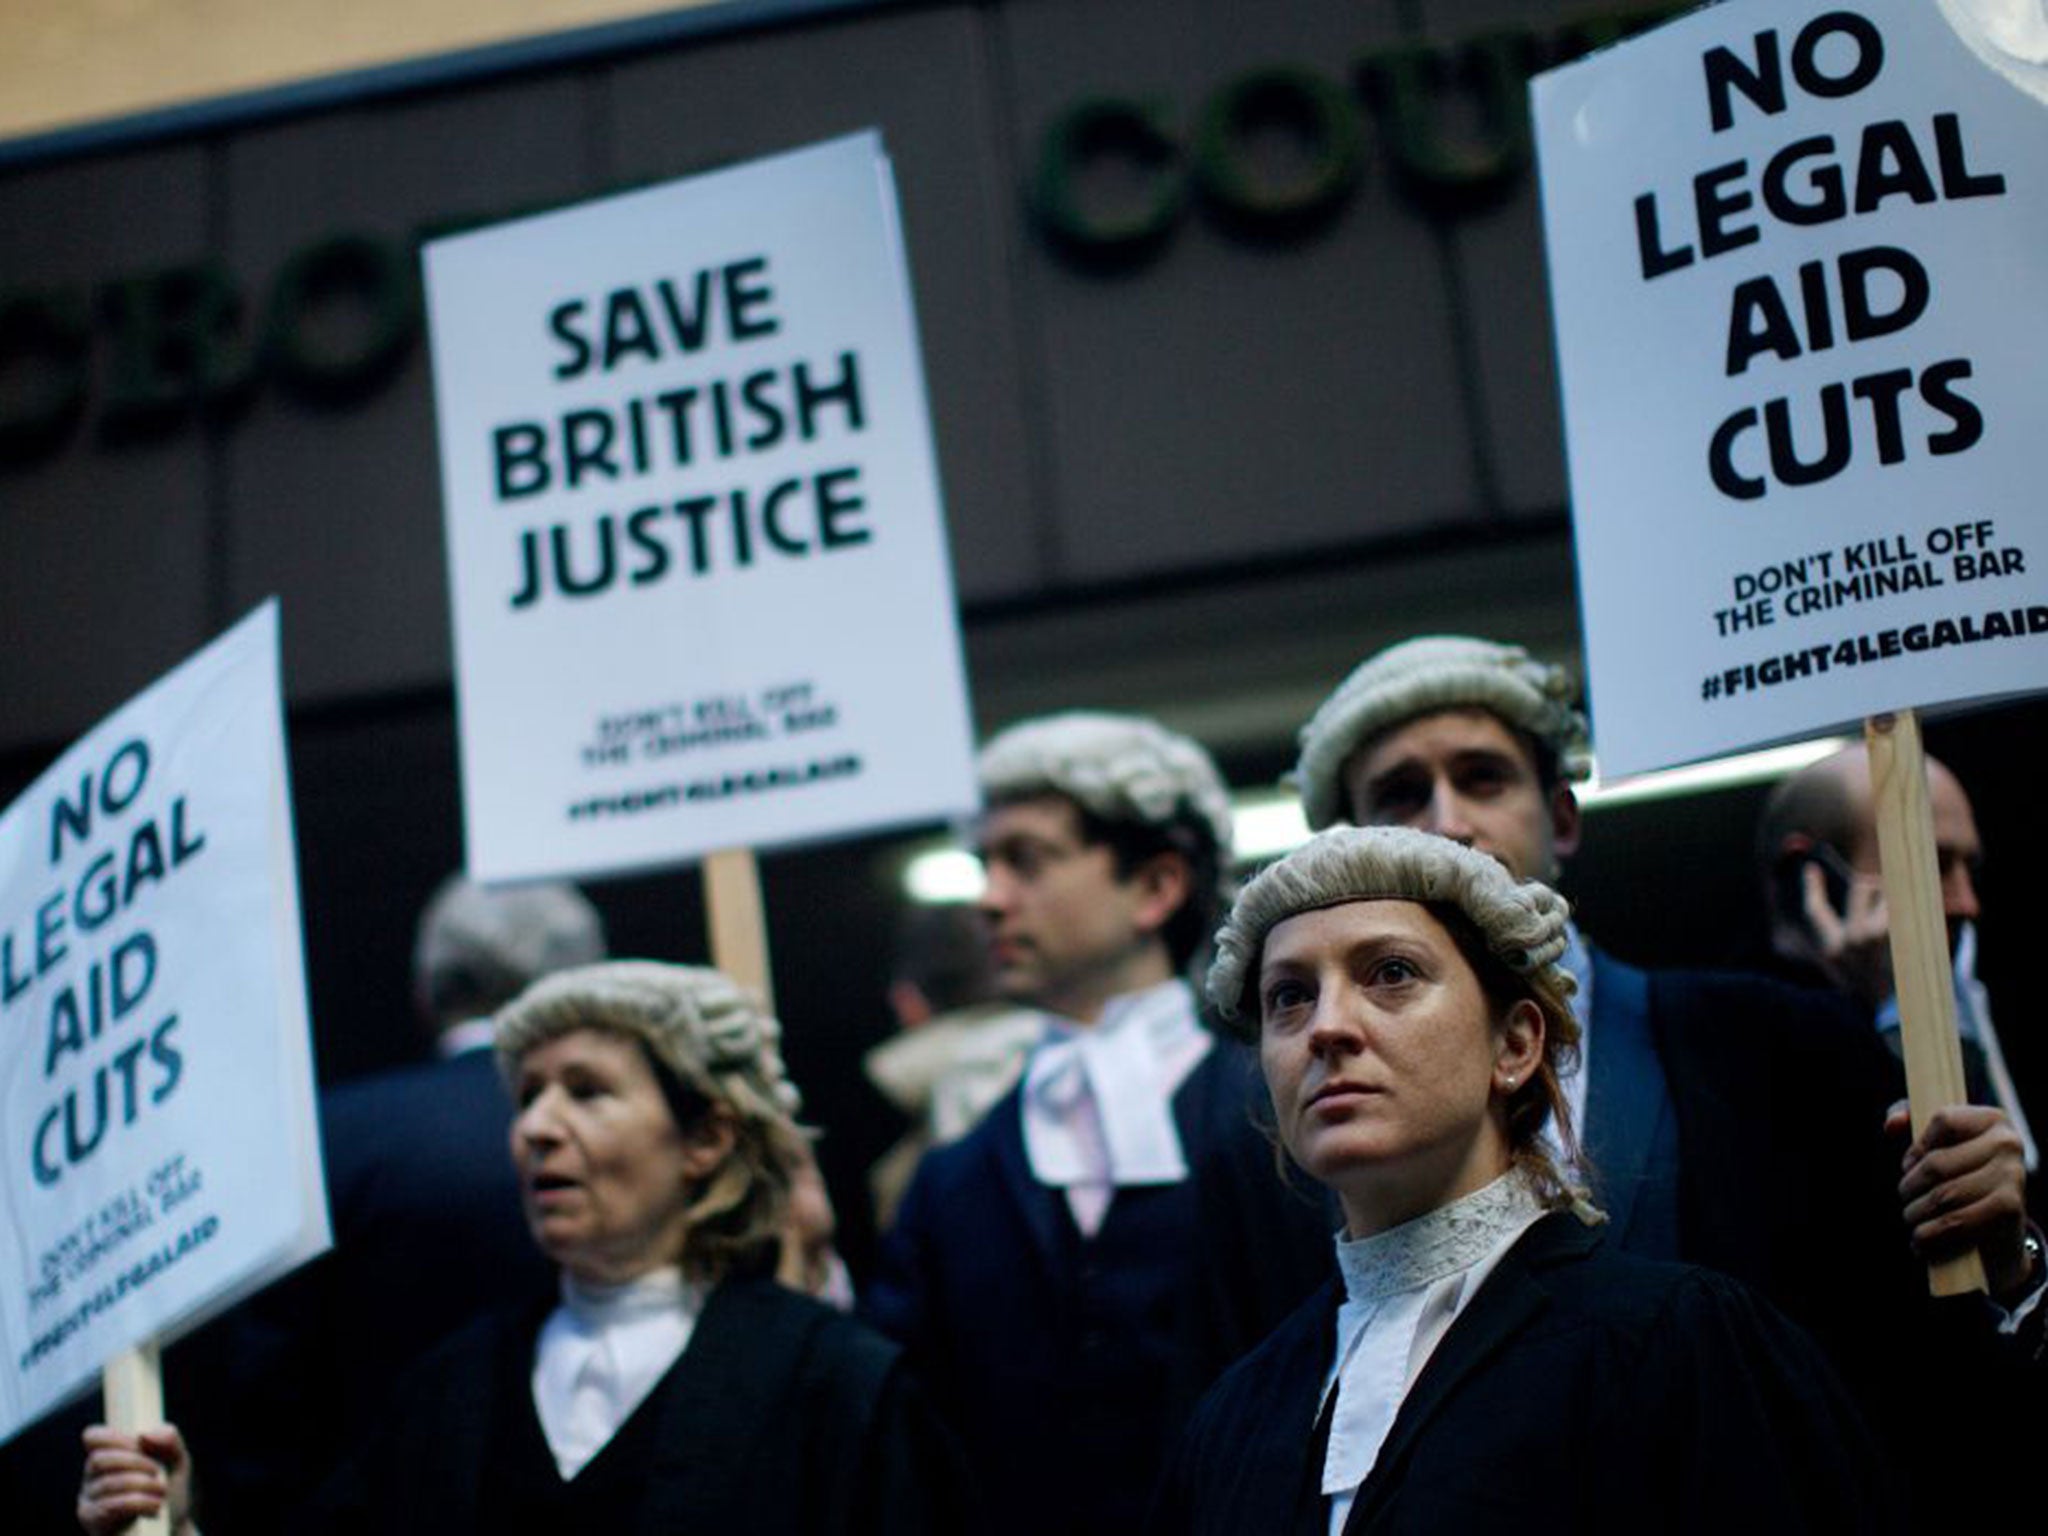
point(1421, 677)
point(711, 1043)
point(1139, 788)
point(1121, 768)
point(1511, 932)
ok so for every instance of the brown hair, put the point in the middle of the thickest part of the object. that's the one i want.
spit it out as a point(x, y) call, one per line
point(1539, 1101)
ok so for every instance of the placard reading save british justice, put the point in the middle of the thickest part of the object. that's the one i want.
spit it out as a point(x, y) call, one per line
point(696, 550)
point(159, 1156)
point(1799, 269)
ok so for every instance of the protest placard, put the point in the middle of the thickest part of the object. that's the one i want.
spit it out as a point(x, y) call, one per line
point(696, 554)
point(1796, 261)
point(160, 1155)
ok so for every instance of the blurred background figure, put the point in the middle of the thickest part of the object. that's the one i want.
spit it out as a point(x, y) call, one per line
point(959, 1048)
point(1823, 887)
point(807, 1259)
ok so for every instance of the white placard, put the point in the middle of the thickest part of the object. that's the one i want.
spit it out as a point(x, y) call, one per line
point(696, 552)
point(160, 1157)
point(1799, 268)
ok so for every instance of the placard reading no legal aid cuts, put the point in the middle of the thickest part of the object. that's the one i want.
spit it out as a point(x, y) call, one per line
point(159, 1156)
point(1799, 267)
point(698, 565)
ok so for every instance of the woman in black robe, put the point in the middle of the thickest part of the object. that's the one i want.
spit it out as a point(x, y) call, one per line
point(675, 1385)
point(1484, 1363)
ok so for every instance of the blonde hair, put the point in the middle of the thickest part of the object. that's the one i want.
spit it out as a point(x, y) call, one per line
point(719, 1049)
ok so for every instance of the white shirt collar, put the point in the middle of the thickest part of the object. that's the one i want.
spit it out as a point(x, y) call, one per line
point(460, 1039)
point(1098, 1099)
point(601, 1352)
point(1403, 1289)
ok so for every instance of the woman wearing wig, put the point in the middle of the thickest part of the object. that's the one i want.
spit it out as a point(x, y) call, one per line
point(1483, 1363)
point(672, 1385)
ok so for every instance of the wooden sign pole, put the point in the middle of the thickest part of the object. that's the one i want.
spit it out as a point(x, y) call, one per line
point(1919, 938)
point(739, 924)
point(133, 1382)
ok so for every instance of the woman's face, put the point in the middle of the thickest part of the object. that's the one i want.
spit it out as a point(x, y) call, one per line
point(1385, 1066)
point(604, 1171)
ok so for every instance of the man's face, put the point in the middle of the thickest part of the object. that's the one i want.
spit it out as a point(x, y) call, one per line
point(1958, 851)
point(1466, 775)
point(1066, 932)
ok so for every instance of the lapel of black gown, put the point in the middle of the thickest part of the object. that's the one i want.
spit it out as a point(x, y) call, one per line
point(1042, 1211)
point(717, 1405)
point(1509, 1300)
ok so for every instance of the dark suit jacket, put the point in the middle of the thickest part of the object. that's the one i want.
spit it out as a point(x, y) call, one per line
point(1580, 1390)
point(1769, 1137)
point(781, 1417)
point(1768, 1151)
point(1068, 1364)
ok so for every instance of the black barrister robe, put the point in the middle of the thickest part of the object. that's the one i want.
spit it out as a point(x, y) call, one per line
point(1580, 1390)
point(781, 1416)
point(1068, 1364)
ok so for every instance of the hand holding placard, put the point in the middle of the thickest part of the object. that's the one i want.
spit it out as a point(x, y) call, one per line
point(1920, 964)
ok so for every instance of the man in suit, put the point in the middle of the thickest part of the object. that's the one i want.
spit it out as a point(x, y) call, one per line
point(1728, 1121)
point(1071, 1273)
point(1823, 891)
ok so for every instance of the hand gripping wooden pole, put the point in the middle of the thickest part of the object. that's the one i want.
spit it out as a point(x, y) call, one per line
point(1919, 939)
point(133, 1382)
point(739, 925)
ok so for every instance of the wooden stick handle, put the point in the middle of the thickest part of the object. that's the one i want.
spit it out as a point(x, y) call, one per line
point(739, 924)
point(133, 1383)
point(1919, 940)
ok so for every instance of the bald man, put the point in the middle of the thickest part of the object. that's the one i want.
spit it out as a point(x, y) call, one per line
point(1817, 846)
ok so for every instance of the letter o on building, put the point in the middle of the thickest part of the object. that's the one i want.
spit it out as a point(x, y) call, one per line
point(1113, 140)
point(1312, 111)
point(317, 353)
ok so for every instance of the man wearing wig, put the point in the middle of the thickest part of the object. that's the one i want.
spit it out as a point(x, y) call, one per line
point(1070, 1274)
point(1728, 1121)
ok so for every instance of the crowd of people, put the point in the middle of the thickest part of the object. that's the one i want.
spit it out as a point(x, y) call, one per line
point(1379, 1199)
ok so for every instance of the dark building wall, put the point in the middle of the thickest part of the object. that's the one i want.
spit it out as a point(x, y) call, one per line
point(213, 385)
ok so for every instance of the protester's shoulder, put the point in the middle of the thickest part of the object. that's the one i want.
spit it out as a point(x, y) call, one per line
point(374, 1097)
point(1271, 1368)
point(1601, 1282)
point(841, 1356)
point(1742, 1002)
point(952, 1165)
point(1643, 1303)
point(454, 1367)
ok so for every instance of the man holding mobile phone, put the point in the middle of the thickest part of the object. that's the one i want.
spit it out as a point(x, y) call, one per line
point(1817, 843)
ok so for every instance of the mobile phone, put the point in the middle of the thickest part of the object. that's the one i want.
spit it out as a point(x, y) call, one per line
point(1836, 877)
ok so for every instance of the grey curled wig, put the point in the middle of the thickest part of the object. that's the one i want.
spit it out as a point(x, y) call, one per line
point(1120, 767)
point(1419, 677)
point(718, 1044)
point(1513, 934)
